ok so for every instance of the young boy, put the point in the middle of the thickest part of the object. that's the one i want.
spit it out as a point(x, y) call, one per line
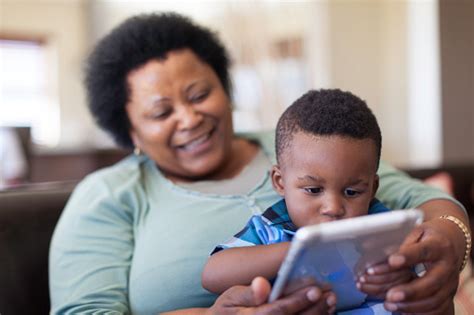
point(328, 146)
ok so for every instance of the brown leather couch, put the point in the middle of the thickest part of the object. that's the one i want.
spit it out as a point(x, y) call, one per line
point(28, 216)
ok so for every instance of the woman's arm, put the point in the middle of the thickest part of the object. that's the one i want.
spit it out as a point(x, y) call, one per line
point(438, 243)
point(240, 265)
point(397, 190)
point(91, 252)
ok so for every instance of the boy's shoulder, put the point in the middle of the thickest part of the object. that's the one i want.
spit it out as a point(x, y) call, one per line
point(277, 216)
point(377, 207)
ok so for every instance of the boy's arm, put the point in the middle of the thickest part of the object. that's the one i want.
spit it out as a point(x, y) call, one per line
point(240, 265)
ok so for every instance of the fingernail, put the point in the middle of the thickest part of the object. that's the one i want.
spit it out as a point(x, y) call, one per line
point(397, 259)
point(331, 300)
point(362, 279)
point(390, 307)
point(371, 271)
point(358, 285)
point(397, 296)
point(313, 295)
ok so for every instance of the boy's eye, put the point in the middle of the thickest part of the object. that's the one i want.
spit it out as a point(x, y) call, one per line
point(351, 192)
point(313, 190)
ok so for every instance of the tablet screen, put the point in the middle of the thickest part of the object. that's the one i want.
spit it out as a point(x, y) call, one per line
point(332, 254)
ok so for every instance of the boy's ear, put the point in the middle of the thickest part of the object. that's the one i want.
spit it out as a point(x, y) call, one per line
point(277, 180)
point(376, 185)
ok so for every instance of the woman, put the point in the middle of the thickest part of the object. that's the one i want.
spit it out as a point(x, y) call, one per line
point(134, 237)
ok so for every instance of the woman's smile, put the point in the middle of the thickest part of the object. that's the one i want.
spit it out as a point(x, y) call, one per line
point(197, 144)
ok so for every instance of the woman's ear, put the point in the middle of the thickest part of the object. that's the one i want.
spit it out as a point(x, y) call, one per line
point(277, 180)
point(134, 137)
point(375, 186)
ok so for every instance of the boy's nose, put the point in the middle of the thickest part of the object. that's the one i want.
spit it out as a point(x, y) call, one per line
point(333, 207)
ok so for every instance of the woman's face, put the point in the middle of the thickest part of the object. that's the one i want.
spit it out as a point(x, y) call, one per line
point(180, 115)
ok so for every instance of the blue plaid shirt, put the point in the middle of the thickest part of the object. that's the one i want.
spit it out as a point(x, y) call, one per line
point(275, 226)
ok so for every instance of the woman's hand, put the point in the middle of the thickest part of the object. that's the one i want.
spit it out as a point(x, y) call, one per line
point(433, 293)
point(253, 300)
point(378, 279)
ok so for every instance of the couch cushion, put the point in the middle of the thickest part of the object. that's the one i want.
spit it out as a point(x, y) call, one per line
point(28, 216)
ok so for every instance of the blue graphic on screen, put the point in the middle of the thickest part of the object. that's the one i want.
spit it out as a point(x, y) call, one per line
point(334, 265)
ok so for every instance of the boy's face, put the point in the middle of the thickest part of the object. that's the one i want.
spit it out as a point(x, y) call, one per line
point(326, 178)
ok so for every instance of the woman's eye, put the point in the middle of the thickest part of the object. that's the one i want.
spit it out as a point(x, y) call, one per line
point(199, 97)
point(351, 192)
point(313, 190)
point(160, 115)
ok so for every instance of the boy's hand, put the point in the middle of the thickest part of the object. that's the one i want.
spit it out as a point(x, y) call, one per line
point(380, 278)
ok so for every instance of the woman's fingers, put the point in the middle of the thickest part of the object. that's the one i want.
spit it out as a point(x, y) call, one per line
point(442, 272)
point(379, 269)
point(296, 303)
point(253, 300)
point(261, 290)
point(378, 285)
point(433, 292)
point(421, 289)
point(425, 245)
point(427, 293)
point(399, 276)
point(326, 306)
point(430, 306)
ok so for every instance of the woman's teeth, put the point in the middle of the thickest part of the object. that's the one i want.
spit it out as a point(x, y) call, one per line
point(191, 145)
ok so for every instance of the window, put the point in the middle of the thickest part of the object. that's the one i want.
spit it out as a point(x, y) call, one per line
point(26, 93)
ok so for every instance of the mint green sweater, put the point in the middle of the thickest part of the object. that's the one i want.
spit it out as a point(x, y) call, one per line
point(131, 241)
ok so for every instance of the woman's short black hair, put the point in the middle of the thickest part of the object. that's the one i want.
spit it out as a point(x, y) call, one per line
point(133, 43)
point(326, 113)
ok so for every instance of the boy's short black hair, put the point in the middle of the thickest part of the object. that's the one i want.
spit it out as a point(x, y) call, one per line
point(326, 113)
point(133, 43)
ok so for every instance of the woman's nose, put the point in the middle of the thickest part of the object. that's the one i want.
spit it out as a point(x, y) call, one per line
point(188, 117)
point(333, 207)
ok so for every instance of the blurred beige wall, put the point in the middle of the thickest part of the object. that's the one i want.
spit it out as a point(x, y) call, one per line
point(368, 41)
point(368, 47)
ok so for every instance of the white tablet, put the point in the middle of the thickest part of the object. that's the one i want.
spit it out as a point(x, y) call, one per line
point(334, 253)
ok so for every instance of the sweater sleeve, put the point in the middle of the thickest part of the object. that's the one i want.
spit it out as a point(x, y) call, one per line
point(397, 190)
point(91, 251)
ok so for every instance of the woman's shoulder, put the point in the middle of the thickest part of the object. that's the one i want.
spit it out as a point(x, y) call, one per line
point(265, 138)
point(128, 167)
point(117, 181)
point(111, 194)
